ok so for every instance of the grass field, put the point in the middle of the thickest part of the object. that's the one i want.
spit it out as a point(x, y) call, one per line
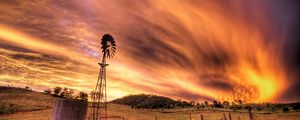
point(117, 112)
point(37, 106)
point(20, 100)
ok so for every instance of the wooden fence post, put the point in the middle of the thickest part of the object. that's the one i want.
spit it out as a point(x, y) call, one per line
point(224, 116)
point(250, 114)
point(190, 116)
point(201, 116)
point(229, 115)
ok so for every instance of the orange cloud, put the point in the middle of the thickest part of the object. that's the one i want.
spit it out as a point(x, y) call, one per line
point(193, 50)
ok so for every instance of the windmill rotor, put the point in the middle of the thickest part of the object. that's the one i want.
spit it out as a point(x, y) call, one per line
point(108, 46)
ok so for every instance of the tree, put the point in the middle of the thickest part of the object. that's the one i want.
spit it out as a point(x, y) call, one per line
point(70, 93)
point(232, 103)
point(27, 88)
point(214, 103)
point(240, 102)
point(258, 108)
point(83, 95)
point(192, 103)
point(48, 91)
point(56, 91)
point(217, 104)
point(67, 93)
point(206, 103)
point(226, 103)
point(285, 109)
point(92, 94)
point(63, 92)
point(296, 106)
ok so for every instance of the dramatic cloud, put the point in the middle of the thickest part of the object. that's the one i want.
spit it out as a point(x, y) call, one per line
point(193, 50)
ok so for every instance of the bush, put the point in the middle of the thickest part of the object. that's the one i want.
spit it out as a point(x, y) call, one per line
point(226, 103)
point(48, 91)
point(296, 106)
point(27, 88)
point(206, 103)
point(67, 93)
point(56, 91)
point(258, 108)
point(217, 104)
point(83, 95)
point(10, 108)
point(285, 109)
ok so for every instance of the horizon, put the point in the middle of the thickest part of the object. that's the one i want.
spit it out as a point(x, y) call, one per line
point(182, 100)
point(192, 50)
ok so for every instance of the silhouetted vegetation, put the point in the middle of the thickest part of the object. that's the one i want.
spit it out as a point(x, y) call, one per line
point(151, 102)
point(154, 102)
point(217, 104)
point(83, 95)
point(226, 103)
point(27, 88)
point(66, 93)
point(48, 91)
point(57, 91)
point(285, 109)
point(206, 103)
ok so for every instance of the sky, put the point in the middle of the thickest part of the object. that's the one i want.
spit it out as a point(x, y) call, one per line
point(191, 50)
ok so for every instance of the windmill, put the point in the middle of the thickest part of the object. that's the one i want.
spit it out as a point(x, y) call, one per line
point(99, 102)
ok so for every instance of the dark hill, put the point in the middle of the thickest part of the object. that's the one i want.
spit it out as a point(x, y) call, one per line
point(147, 101)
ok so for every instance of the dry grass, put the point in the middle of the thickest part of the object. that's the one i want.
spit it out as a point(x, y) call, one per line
point(32, 115)
point(116, 112)
point(19, 100)
point(37, 106)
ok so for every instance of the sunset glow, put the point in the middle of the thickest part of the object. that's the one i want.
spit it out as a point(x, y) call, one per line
point(191, 50)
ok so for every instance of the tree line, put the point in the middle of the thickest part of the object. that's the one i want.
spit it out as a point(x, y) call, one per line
point(66, 93)
point(150, 102)
point(155, 102)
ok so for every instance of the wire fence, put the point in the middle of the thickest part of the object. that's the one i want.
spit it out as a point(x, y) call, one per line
point(196, 116)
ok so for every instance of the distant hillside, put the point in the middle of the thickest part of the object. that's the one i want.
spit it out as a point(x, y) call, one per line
point(148, 101)
point(20, 99)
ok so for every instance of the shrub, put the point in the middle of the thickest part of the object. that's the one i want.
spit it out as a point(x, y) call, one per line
point(217, 104)
point(10, 108)
point(206, 103)
point(258, 108)
point(83, 95)
point(296, 106)
point(226, 103)
point(56, 91)
point(285, 109)
point(67, 93)
point(48, 91)
point(27, 88)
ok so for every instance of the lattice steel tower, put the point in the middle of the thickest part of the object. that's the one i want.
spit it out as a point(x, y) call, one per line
point(98, 110)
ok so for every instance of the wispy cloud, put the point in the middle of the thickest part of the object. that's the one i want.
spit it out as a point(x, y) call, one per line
point(194, 50)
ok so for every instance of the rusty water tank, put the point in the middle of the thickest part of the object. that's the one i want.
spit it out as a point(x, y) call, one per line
point(68, 109)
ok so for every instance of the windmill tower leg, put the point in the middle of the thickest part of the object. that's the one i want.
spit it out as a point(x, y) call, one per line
point(99, 99)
